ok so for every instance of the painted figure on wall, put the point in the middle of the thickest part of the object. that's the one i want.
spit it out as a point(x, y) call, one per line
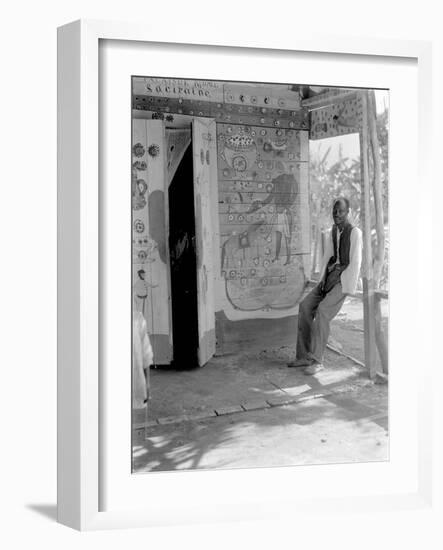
point(260, 223)
point(283, 195)
point(141, 291)
point(277, 219)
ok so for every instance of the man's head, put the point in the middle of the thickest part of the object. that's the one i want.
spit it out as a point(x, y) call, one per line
point(141, 274)
point(340, 211)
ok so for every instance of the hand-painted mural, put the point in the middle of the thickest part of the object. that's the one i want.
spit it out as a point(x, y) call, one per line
point(149, 247)
point(143, 246)
point(344, 117)
point(235, 103)
point(262, 192)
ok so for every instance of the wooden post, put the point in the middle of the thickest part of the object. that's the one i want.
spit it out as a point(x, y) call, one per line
point(380, 337)
point(368, 282)
point(377, 189)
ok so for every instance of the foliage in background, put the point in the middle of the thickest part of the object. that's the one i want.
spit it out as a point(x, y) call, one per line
point(342, 177)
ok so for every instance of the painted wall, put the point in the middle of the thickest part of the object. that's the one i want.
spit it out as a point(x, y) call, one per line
point(336, 119)
point(264, 218)
point(262, 180)
point(150, 266)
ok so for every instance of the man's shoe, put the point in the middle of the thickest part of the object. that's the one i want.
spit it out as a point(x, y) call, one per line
point(314, 368)
point(304, 362)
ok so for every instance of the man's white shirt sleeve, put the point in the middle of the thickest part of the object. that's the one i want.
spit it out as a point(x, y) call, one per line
point(328, 253)
point(349, 277)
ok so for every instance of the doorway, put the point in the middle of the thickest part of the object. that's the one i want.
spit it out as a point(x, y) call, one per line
point(183, 264)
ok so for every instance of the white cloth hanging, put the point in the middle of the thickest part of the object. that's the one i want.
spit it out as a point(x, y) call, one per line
point(142, 359)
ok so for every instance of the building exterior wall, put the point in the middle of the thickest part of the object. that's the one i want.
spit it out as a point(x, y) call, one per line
point(262, 243)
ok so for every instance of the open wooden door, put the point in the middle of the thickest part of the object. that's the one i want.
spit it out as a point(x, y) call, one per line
point(150, 231)
point(204, 155)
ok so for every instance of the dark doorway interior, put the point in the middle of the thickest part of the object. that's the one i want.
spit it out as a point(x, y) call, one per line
point(183, 264)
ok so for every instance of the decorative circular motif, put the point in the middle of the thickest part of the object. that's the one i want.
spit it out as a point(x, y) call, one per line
point(276, 123)
point(230, 217)
point(138, 150)
point(140, 165)
point(241, 218)
point(232, 274)
point(266, 100)
point(142, 255)
point(263, 132)
point(291, 124)
point(142, 186)
point(279, 132)
point(253, 99)
point(269, 187)
point(153, 150)
point(139, 226)
point(281, 102)
point(239, 163)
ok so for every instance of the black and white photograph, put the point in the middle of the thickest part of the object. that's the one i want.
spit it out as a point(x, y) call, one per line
point(221, 275)
point(260, 274)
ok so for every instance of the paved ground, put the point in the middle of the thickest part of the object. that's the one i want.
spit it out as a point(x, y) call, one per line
point(249, 410)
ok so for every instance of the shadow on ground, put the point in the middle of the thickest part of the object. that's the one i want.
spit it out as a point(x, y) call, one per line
point(351, 425)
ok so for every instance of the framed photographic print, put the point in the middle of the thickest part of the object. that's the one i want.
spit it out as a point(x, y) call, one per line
point(231, 276)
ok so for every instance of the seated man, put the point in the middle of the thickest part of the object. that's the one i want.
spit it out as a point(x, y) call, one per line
point(338, 277)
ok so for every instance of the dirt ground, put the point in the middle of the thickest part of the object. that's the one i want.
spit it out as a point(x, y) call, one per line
point(251, 410)
point(344, 428)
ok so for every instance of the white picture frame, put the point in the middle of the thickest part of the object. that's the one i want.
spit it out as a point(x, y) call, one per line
point(80, 437)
